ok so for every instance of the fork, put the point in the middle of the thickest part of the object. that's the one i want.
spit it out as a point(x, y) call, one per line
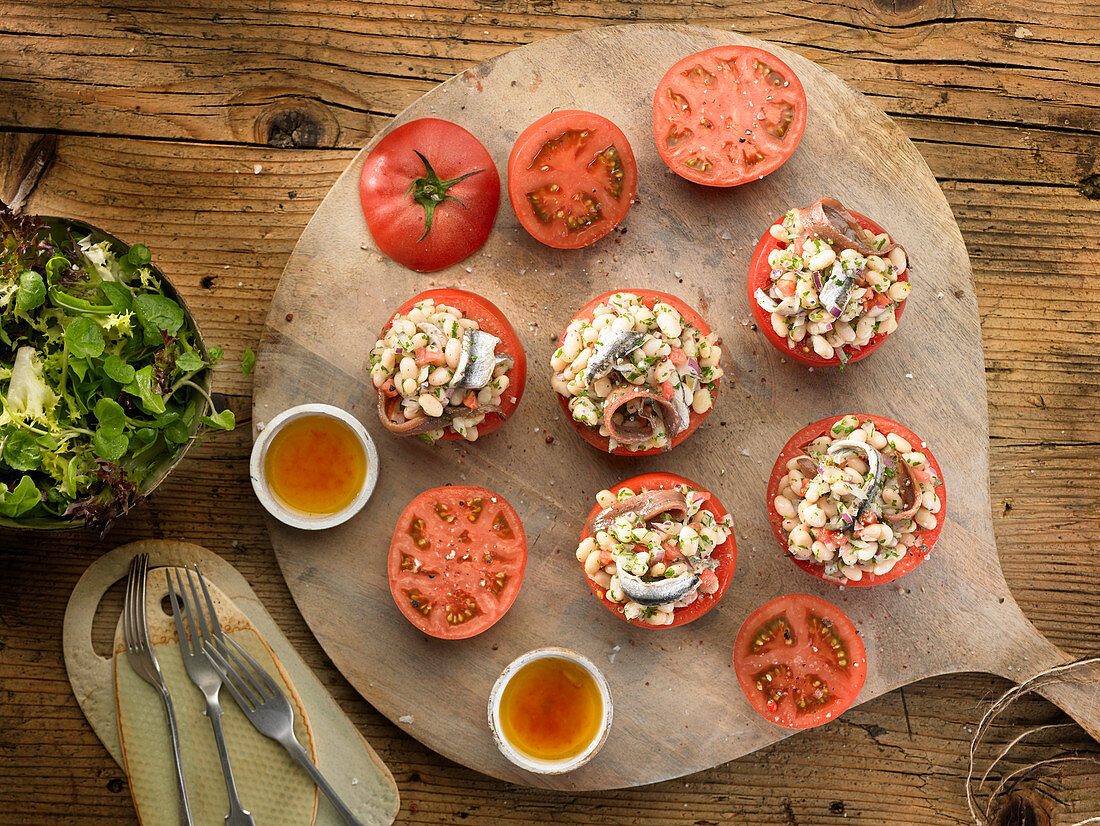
point(139, 650)
point(203, 673)
point(268, 709)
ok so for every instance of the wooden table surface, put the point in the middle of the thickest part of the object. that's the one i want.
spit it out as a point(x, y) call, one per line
point(211, 130)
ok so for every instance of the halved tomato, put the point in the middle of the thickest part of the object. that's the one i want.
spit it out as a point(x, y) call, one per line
point(491, 320)
point(726, 553)
point(728, 115)
point(926, 539)
point(799, 660)
point(760, 278)
point(456, 560)
point(571, 178)
point(649, 298)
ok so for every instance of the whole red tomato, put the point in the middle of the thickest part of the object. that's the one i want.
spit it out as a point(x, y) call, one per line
point(430, 194)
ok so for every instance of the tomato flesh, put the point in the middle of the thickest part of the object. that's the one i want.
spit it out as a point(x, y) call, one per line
point(571, 178)
point(799, 661)
point(456, 560)
point(760, 278)
point(728, 115)
point(926, 539)
point(649, 298)
point(394, 174)
point(491, 320)
point(726, 553)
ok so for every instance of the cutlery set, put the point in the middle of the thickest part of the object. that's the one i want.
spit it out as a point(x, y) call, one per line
point(212, 659)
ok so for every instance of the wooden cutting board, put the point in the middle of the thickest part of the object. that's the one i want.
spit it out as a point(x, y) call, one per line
point(270, 784)
point(678, 707)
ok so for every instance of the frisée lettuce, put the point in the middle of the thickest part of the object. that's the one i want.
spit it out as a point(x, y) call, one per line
point(102, 379)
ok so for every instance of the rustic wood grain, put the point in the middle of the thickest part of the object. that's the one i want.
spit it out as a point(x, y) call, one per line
point(994, 168)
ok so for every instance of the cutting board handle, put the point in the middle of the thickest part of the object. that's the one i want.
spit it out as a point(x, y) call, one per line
point(1028, 653)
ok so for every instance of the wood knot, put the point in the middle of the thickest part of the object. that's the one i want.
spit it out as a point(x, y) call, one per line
point(292, 128)
point(1089, 186)
point(280, 118)
point(1022, 809)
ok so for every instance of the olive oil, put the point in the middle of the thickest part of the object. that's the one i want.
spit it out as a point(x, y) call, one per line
point(551, 709)
point(315, 465)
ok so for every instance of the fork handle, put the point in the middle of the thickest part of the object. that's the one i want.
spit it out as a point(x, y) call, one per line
point(238, 815)
point(181, 786)
point(294, 748)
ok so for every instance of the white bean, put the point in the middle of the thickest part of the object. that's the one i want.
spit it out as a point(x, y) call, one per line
point(669, 324)
point(453, 352)
point(779, 324)
point(588, 544)
point(898, 443)
point(899, 291)
point(821, 260)
point(925, 519)
point(430, 404)
point(784, 506)
point(701, 401)
point(822, 347)
point(897, 259)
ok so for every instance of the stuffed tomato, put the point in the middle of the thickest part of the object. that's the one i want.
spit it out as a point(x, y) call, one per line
point(447, 365)
point(658, 550)
point(827, 285)
point(637, 372)
point(856, 499)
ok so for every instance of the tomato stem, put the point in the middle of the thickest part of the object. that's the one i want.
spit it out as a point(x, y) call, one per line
point(430, 192)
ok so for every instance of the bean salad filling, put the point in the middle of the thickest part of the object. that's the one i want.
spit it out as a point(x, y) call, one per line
point(857, 500)
point(835, 285)
point(434, 369)
point(636, 372)
point(650, 551)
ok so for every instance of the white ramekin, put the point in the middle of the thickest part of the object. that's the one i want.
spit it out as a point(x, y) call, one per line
point(534, 764)
point(294, 518)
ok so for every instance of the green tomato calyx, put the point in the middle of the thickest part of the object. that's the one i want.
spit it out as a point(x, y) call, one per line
point(430, 192)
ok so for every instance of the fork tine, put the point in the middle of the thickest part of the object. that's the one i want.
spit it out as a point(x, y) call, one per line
point(259, 670)
point(196, 606)
point(215, 626)
point(127, 608)
point(139, 602)
point(177, 613)
point(231, 679)
point(188, 611)
point(245, 672)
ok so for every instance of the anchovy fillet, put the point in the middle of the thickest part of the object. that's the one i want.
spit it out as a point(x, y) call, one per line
point(610, 353)
point(647, 505)
point(827, 220)
point(434, 334)
point(909, 491)
point(660, 592)
point(837, 290)
point(875, 468)
point(477, 360)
